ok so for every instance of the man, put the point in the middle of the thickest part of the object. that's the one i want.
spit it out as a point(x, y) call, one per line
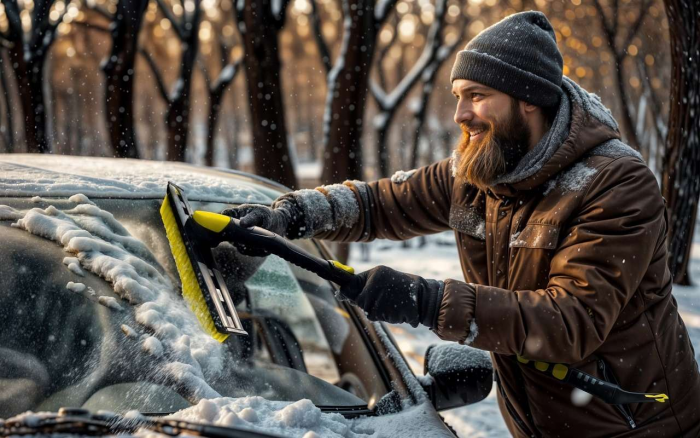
point(561, 232)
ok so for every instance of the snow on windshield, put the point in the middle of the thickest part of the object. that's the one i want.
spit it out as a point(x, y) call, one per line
point(299, 419)
point(66, 176)
point(104, 247)
point(302, 419)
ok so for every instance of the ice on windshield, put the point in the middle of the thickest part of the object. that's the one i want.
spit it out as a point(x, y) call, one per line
point(104, 247)
point(66, 176)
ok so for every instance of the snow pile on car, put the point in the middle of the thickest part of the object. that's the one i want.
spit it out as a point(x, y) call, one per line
point(65, 176)
point(299, 419)
point(302, 419)
point(168, 329)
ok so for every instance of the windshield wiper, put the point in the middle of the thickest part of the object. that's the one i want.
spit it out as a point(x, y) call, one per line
point(349, 411)
point(84, 422)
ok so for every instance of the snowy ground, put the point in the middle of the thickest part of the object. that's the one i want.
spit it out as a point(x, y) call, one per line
point(438, 259)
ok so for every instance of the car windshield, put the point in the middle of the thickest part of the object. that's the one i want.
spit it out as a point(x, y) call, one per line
point(92, 316)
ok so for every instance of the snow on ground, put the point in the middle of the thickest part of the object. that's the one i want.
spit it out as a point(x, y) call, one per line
point(438, 259)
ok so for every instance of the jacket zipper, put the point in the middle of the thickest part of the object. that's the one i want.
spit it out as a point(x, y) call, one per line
point(623, 409)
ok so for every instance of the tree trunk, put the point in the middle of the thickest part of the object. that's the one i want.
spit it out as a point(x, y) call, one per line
point(119, 69)
point(271, 155)
point(177, 116)
point(627, 122)
point(214, 111)
point(382, 143)
point(9, 106)
point(681, 184)
point(347, 93)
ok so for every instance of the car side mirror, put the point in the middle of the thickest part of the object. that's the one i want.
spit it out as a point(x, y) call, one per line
point(458, 375)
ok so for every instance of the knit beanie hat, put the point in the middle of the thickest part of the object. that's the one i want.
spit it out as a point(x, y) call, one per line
point(518, 56)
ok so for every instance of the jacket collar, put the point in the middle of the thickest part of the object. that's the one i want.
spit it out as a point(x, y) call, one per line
point(582, 123)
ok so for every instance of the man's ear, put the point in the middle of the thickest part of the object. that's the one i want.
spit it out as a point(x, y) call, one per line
point(528, 107)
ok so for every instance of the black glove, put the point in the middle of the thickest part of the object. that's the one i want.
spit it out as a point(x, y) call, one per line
point(395, 297)
point(284, 218)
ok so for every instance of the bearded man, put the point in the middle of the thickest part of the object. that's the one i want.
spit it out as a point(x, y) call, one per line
point(561, 231)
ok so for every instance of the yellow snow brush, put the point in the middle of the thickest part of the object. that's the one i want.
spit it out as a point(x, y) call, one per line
point(193, 234)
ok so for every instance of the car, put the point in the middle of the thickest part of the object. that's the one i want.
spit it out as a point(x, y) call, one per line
point(94, 327)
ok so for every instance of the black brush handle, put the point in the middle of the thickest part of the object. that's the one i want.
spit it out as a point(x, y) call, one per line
point(260, 238)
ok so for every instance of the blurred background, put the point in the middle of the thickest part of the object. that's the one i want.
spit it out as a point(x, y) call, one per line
point(308, 92)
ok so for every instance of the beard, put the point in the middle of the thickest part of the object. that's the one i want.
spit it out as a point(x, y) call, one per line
point(498, 151)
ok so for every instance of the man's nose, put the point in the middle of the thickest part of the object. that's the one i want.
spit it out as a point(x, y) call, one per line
point(463, 113)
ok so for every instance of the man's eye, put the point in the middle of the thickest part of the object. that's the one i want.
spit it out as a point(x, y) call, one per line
point(477, 96)
point(456, 96)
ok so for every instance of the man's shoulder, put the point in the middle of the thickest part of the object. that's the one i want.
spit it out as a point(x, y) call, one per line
point(612, 163)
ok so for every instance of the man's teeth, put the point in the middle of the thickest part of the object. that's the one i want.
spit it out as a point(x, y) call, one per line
point(473, 133)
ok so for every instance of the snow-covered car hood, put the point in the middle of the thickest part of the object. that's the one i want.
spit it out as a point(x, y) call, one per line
point(56, 175)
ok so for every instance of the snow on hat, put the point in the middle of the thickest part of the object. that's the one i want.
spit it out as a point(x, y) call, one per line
point(518, 56)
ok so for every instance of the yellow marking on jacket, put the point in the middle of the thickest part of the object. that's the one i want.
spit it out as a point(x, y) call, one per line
point(661, 398)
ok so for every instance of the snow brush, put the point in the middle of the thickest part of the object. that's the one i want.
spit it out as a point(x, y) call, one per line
point(609, 392)
point(192, 236)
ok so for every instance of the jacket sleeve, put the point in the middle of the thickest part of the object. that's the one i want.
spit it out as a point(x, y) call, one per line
point(406, 205)
point(594, 273)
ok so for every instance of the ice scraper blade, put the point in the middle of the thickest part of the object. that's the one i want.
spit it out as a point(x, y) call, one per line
point(203, 286)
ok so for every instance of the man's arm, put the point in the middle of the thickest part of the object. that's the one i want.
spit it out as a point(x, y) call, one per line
point(595, 272)
point(397, 210)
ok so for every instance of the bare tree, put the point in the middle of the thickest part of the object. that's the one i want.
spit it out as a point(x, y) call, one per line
point(9, 134)
point(427, 84)
point(347, 88)
point(260, 22)
point(217, 88)
point(389, 103)
point(28, 52)
point(612, 31)
point(177, 115)
point(119, 69)
point(681, 184)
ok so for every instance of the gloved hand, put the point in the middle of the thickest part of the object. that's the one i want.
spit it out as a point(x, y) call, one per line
point(395, 297)
point(284, 218)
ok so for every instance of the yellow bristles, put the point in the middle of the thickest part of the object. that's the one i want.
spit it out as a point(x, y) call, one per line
point(191, 292)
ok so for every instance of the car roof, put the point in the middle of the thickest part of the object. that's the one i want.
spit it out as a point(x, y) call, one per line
point(46, 175)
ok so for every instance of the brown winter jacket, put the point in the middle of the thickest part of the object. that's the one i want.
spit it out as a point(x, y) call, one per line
point(567, 266)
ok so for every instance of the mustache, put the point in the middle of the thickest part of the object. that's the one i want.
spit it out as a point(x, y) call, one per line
point(468, 127)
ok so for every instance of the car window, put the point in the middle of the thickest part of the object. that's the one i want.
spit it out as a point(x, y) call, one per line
point(62, 346)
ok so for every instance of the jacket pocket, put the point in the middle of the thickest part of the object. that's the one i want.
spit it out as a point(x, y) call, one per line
point(539, 236)
point(623, 410)
point(467, 220)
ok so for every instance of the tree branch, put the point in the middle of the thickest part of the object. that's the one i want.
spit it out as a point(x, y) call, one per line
point(51, 31)
point(607, 29)
point(381, 12)
point(382, 54)
point(205, 72)
point(318, 35)
point(430, 51)
point(167, 13)
point(637, 24)
point(227, 75)
point(156, 73)
point(656, 107)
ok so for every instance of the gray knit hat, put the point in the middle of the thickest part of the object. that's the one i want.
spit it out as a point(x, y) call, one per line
point(518, 56)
